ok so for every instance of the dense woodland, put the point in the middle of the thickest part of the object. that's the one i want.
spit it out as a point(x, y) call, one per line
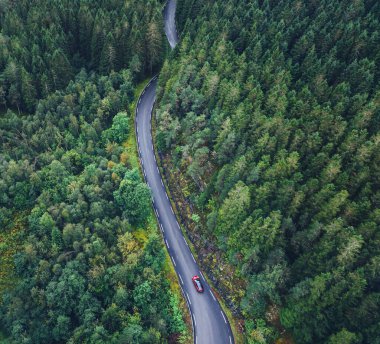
point(272, 111)
point(44, 43)
point(81, 258)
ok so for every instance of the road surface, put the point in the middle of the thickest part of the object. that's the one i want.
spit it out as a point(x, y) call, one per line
point(210, 325)
point(169, 21)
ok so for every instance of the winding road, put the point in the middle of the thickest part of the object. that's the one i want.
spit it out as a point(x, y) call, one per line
point(210, 325)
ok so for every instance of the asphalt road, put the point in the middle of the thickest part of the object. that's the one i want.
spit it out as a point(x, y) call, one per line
point(210, 325)
point(169, 21)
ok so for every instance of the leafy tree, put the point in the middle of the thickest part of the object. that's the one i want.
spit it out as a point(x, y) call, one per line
point(234, 208)
point(133, 197)
point(119, 130)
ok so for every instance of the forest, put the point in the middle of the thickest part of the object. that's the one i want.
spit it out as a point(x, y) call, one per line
point(81, 256)
point(271, 112)
point(44, 43)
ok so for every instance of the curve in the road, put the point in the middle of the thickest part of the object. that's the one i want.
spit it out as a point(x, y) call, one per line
point(210, 325)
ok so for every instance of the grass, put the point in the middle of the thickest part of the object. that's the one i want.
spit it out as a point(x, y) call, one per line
point(131, 144)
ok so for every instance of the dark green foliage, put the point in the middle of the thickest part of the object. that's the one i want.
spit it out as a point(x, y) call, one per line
point(83, 272)
point(85, 277)
point(271, 109)
point(44, 43)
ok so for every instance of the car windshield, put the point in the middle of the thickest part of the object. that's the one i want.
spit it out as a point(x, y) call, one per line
point(199, 285)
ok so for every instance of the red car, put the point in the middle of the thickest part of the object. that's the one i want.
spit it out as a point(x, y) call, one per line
point(198, 284)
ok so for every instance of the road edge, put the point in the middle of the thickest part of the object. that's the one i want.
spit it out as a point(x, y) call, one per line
point(152, 202)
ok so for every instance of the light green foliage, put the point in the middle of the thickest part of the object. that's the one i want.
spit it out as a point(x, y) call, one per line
point(195, 218)
point(344, 337)
point(119, 129)
point(178, 325)
point(234, 209)
point(259, 332)
point(133, 197)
